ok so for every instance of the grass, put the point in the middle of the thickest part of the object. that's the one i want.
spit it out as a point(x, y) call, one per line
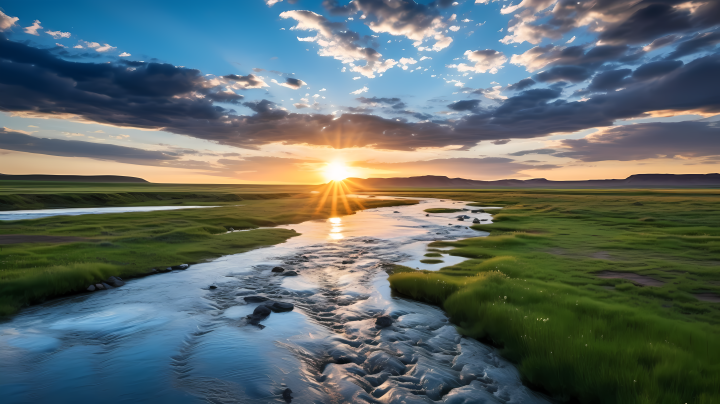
point(442, 210)
point(130, 244)
point(531, 288)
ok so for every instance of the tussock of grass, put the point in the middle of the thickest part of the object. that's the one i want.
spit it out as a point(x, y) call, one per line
point(571, 333)
point(433, 254)
point(431, 261)
point(442, 210)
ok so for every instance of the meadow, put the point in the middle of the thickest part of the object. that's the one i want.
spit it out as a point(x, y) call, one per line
point(600, 296)
point(130, 244)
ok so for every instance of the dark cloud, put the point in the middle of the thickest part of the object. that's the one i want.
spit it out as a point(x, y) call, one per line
point(293, 83)
point(646, 141)
point(378, 100)
point(660, 42)
point(574, 74)
point(699, 42)
point(249, 81)
point(16, 141)
point(534, 151)
point(501, 141)
point(656, 69)
point(522, 84)
point(609, 81)
point(165, 97)
point(465, 105)
point(617, 21)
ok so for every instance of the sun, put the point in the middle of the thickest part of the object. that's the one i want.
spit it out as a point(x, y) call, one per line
point(336, 171)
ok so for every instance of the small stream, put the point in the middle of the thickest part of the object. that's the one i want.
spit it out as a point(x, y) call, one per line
point(172, 339)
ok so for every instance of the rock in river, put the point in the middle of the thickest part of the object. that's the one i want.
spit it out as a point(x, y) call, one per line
point(383, 321)
point(91, 288)
point(278, 269)
point(290, 273)
point(255, 299)
point(181, 266)
point(287, 395)
point(476, 220)
point(279, 307)
point(115, 281)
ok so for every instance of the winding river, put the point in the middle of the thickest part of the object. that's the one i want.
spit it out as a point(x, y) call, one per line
point(172, 338)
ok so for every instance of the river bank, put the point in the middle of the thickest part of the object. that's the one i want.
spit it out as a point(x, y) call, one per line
point(597, 296)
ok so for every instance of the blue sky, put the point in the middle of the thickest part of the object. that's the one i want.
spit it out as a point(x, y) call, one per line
point(474, 89)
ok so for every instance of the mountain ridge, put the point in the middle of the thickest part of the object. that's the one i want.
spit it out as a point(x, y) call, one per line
point(633, 181)
point(70, 178)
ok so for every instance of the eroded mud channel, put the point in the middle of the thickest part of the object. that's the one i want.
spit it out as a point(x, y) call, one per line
point(186, 337)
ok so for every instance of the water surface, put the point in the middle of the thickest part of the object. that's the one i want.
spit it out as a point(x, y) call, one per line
point(41, 213)
point(171, 339)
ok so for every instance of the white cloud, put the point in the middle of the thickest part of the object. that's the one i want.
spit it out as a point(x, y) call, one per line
point(335, 42)
point(425, 58)
point(119, 137)
point(571, 40)
point(323, 89)
point(487, 60)
point(6, 22)
point(271, 3)
point(357, 78)
point(124, 55)
point(466, 20)
point(33, 29)
point(60, 45)
point(454, 28)
point(360, 91)
point(58, 34)
point(95, 45)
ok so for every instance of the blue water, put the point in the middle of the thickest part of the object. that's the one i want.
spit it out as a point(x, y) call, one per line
point(40, 213)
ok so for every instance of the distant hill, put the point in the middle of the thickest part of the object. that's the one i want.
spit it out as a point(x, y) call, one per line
point(70, 178)
point(633, 181)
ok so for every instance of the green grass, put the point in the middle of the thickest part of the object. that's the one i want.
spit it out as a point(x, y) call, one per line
point(442, 210)
point(433, 254)
point(531, 288)
point(130, 244)
point(431, 261)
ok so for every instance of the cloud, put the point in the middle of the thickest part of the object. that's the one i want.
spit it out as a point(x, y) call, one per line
point(487, 60)
point(250, 81)
point(16, 141)
point(271, 3)
point(266, 168)
point(617, 21)
point(522, 84)
point(418, 22)
point(465, 105)
point(360, 91)
point(33, 29)
point(36, 82)
point(124, 55)
point(291, 83)
point(656, 69)
point(572, 74)
point(610, 80)
point(500, 142)
point(95, 45)
point(7, 22)
point(699, 42)
point(540, 56)
point(534, 151)
point(58, 34)
point(338, 42)
point(646, 141)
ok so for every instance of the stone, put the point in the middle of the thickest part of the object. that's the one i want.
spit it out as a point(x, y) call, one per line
point(99, 286)
point(427, 214)
point(483, 220)
point(290, 273)
point(280, 307)
point(213, 287)
point(181, 266)
point(396, 212)
point(476, 220)
point(287, 395)
point(107, 286)
point(383, 321)
point(461, 219)
point(91, 288)
point(262, 310)
point(255, 299)
point(231, 229)
point(278, 269)
point(346, 262)
point(115, 281)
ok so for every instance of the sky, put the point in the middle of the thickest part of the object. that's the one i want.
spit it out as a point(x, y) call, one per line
point(283, 91)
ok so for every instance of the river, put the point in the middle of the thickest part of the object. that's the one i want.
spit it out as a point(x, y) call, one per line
point(171, 338)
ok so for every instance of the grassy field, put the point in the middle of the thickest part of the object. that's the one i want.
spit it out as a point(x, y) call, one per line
point(16, 195)
point(130, 244)
point(598, 296)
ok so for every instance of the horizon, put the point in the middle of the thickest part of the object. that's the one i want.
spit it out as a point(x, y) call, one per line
point(306, 92)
